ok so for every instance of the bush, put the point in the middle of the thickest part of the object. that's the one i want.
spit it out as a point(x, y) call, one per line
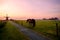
point(2, 23)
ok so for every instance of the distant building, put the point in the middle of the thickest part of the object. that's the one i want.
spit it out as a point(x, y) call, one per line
point(55, 18)
point(44, 19)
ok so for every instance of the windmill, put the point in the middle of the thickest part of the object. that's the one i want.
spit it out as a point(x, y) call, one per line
point(7, 18)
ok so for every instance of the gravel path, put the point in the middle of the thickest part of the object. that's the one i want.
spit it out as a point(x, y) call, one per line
point(32, 35)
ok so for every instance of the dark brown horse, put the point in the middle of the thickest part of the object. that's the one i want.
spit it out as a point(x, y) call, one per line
point(31, 21)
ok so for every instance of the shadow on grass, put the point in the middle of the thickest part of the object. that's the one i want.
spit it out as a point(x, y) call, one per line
point(2, 33)
point(2, 29)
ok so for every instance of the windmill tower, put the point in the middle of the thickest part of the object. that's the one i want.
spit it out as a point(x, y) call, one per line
point(7, 17)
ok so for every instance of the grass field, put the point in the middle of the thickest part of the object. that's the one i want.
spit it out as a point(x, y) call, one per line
point(44, 27)
point(9, 32)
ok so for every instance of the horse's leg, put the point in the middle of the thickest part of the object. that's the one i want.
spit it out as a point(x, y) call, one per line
point(33, 24)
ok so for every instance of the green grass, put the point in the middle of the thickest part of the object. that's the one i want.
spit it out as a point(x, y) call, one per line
point(9, 32)
point(44, 27)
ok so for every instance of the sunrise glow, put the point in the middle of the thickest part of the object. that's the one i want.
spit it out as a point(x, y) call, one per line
point(24, 9)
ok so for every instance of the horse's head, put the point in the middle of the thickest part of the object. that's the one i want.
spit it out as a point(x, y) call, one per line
point(29, 20)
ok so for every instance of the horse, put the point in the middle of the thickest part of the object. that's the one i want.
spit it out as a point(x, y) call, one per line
point(31, 21)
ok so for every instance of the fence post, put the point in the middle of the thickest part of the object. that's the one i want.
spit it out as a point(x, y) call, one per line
point(57, 30)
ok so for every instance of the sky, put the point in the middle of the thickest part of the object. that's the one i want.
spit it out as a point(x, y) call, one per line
point(24, 9)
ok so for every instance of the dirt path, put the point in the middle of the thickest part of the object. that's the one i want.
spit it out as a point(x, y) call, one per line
point(32, 35)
